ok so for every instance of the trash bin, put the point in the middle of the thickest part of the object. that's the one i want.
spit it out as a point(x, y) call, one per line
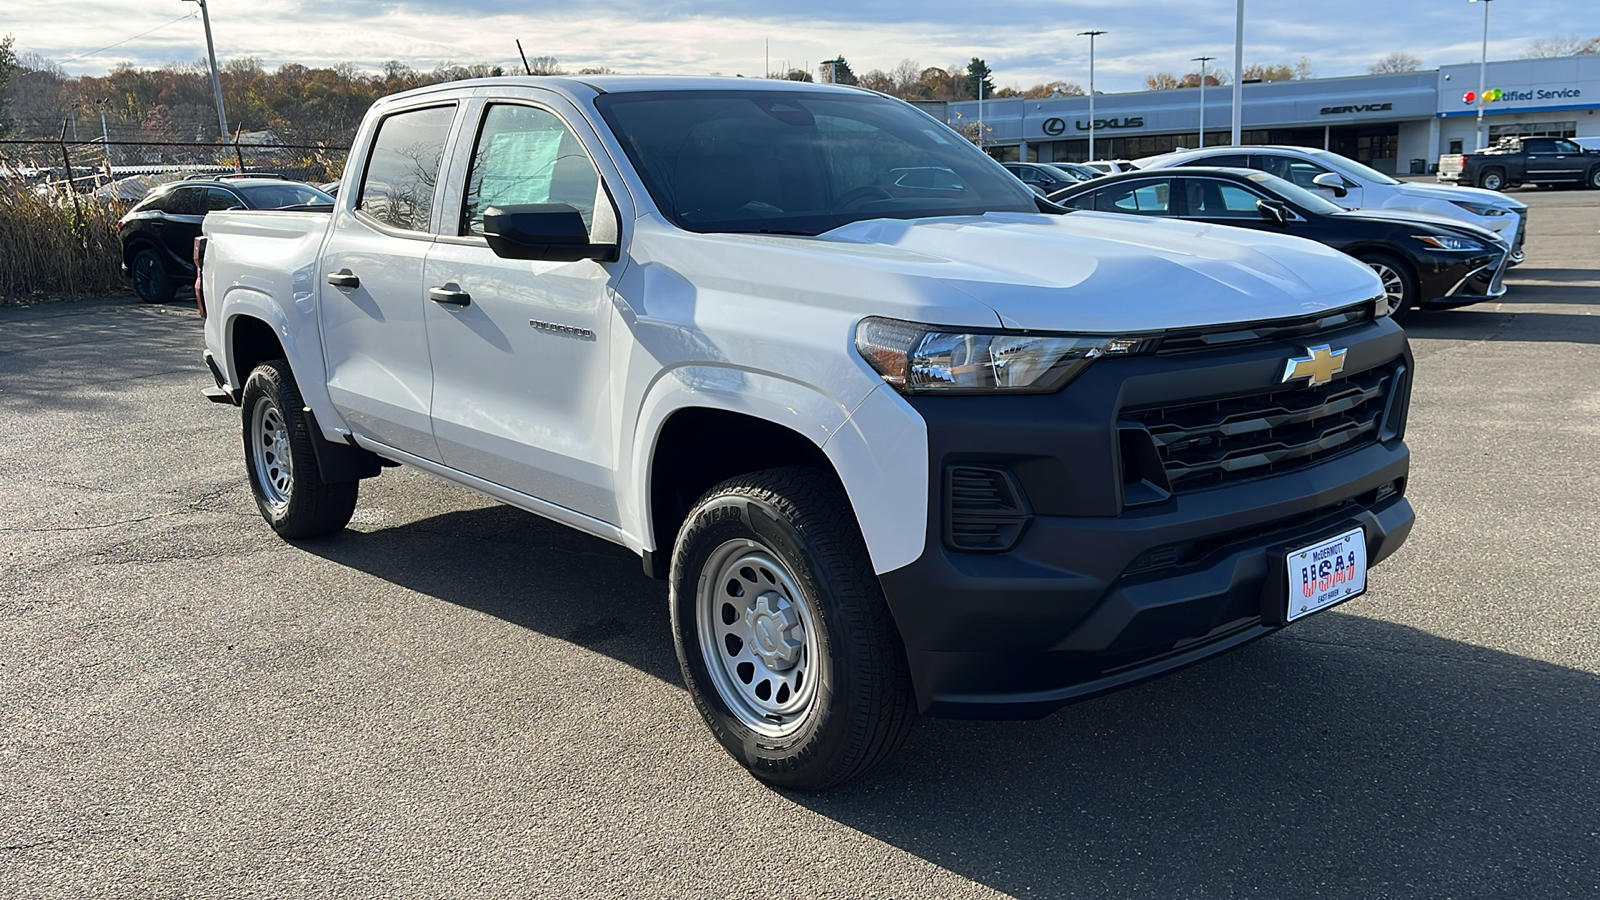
point(1419, 167)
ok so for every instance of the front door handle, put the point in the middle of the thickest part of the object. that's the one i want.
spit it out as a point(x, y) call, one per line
point(344, 278)
point(449, 295)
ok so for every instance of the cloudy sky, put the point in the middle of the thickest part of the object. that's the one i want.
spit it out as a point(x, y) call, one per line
point(1024, 41)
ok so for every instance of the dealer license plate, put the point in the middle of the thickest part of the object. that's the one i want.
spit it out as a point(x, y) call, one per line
point(1324, 574)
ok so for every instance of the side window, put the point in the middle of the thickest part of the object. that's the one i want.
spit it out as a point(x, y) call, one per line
point(397, 188)
point(1149, 198)
point(1226, 161)
point(1297, 171)
point(1086, 200)
point(217, 198)
point(1214, 199)
point(527, 155)
point(1539, 146)
point(1567, 147)
point(185, 201)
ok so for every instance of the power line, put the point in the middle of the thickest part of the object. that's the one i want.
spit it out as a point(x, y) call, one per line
point(125, 40)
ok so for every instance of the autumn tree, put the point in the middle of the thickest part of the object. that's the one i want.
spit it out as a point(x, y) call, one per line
point(1162, 81)
point(1299, 71)
point(1398, 61)
point(1055, 89)
point(8, 66)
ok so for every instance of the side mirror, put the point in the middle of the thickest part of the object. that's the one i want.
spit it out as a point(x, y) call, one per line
point(547, 231)
point(1332, 182)
point(1273, 211)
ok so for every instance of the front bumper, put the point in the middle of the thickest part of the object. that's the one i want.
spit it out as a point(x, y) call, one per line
point(1449, 280)
point(1106, 586)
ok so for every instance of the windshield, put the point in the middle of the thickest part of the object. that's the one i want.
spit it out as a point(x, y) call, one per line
point(278, 196)
point(1294, 193)
point(799, 162)
point(1354, 169)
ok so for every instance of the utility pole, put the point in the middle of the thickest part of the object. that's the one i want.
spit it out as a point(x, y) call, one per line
point(1202, 60)
point(1238, 77)
point(1483, 71)
point(1091, 35)
point(216, 81)
point(980, 114)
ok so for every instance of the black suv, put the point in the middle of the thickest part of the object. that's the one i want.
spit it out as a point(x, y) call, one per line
point(158, 233)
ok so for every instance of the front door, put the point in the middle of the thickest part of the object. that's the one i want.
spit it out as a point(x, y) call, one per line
point(521, 357)
point(373, 334)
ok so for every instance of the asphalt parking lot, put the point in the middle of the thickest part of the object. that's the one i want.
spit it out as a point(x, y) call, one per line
point(454, 698)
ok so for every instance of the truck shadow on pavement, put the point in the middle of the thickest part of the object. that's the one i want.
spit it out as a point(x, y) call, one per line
point(1343, 757)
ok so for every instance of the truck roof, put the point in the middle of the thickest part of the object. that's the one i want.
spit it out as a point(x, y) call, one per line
point(576, 85)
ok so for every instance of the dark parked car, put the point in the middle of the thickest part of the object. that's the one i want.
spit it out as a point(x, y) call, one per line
point(1045, 178)
point(1422, 260)
point(158, 233)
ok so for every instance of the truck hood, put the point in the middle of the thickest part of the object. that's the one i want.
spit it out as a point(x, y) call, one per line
point(1104, 272)
point(1447, 193)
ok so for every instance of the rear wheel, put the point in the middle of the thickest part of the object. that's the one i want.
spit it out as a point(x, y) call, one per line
point(782, 632)
point(1492, 180)
point(284, 475)
point(150, 279)
point(1399, 285)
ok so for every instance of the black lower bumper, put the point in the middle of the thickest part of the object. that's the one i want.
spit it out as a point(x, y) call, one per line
point(1088, 603)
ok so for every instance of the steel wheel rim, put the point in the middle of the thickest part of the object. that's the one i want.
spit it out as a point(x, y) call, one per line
point(758, 637)
point(1394, 287)
point(269, 454)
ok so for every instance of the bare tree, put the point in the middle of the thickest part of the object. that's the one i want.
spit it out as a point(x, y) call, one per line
point(1398, 61)
point(1568, 45)
point(1300, 71)
point(1162, 81)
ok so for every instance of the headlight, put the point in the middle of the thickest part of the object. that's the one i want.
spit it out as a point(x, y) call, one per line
point(1446, 242)
point(923, 359)
point(1482, 209)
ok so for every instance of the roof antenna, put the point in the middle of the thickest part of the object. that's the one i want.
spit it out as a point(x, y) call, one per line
point(525, 67)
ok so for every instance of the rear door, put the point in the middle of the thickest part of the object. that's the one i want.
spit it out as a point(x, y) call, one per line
point(183, 211)
point(521, 350)
point(374, 339)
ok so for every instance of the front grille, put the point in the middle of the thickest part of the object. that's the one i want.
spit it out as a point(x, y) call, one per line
point(1237, 438)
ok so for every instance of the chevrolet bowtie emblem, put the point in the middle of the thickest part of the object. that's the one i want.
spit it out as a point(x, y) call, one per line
point(1319, 366)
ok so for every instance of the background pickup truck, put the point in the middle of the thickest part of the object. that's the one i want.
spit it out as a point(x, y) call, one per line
point(1516, 161)
point(901, 435)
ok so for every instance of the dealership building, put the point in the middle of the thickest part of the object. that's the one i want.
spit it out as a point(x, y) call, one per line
point(1397, 123)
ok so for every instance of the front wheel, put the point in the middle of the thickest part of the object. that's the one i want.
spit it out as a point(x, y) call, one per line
point(284, 475)
point(1594, 178)
point(782, 632)
point(1399, 285)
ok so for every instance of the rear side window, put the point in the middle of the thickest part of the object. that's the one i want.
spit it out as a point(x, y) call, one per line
point(397, 188)
point(185, 201)
point(1150, 198)
point(1539, 146)
point(527, 155)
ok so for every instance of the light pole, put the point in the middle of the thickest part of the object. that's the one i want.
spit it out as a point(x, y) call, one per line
point(1238, 75)
point(1483, 66)
point(1091, 35)
point(1202, 60)
point(216, 82)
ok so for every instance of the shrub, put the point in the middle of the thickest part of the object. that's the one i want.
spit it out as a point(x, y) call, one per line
point(48, 248)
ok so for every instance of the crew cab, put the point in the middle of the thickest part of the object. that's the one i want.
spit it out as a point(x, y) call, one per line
point(1524, 160)
point(897, 444)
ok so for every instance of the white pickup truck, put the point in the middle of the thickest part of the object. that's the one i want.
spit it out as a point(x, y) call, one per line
point(901, 436)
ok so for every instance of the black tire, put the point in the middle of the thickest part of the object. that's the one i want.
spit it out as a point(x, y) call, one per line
point(150, 279)
point(1492, 180)
point(1401, 306)
point(861, 709)
point(293, 498)
point(1593, 181)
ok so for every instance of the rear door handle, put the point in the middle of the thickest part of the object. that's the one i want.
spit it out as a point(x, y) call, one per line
point(449, 295)
point(344, 278)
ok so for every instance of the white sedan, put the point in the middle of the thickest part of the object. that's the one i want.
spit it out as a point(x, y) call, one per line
point(1355, 186)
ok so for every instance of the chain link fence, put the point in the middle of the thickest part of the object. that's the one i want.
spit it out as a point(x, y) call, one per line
point(60, 202)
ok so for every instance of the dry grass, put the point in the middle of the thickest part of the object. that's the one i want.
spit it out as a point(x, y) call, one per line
point(49, 249)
